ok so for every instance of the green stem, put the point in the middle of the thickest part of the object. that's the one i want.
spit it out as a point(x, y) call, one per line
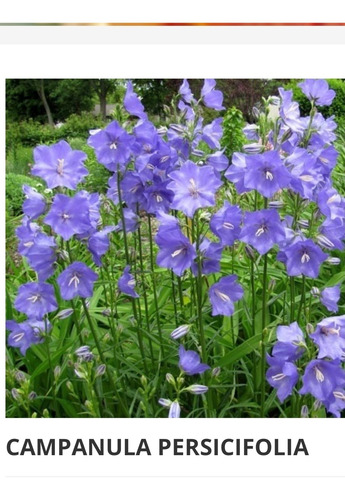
point(263, 331)
point(196, 230)
point(292, 299)
point(101, 355)
point(146, 307)
point(252, 282)
point(152, 265)
point(173, 290)
point(302, 300)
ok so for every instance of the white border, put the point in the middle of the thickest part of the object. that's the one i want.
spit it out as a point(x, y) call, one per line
point(192, 11)
point(221, 61)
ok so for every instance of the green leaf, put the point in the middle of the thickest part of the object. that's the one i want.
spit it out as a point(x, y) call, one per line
point(337, 278)
point(240, 351)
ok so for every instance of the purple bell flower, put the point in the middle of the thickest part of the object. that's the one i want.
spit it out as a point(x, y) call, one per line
point(98, 244)
point(226, 223)
point(133, 104)
point(218, 161)
point(318, 91)
point(212, 98)
point(175, 250)
point(266, 173)
point(282, 375)
point(69, 216)
point(112, 146)
point(41, 255)
point(335, 403)
point(36, 299)
point(76, 281)
point(127, 283)
point(331, 203)
point(321, 378)
point(27, 333)
point(291, 344)
point(132, 221)
point(223, 294)
point(262, 229)
point(304, 258)
point(158, 197)
point(212, 133)
point(112, 192)
point(329, 336)
point(35, 204)
point(236, 172)
point(185, 92)
point(194, 187)
point(210, 254)
point(334, 231)
point(59, 165)
point(174, 410)
point(330, 297)
point(289, 111)
point(190, 363)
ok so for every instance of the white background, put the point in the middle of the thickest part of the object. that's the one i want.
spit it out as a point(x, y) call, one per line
point(193, 11)
point(325, 438)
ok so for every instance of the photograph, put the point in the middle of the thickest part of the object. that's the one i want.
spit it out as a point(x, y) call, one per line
point(175, 248)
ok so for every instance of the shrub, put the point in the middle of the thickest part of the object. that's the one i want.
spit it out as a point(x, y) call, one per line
point(14, 192)
point(233, 137)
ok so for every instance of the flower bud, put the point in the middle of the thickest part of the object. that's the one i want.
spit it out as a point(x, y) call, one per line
point(252, 149)
point(317, 405)
point(198, 152)
point(163, 130)
point(100, 370)
point(334, 261)
point(179, 332)
point(175, 410)
point(63, 255)
point(304, 411)
point(32, 395)
point(324, 241)
point(65, 313)
point(143, 381)
point(177, 128)
point(46, 413)
point(20, 376)
point(106, 312)
point(166, 403)
point(249, 252)
point(250, 131)
point(84, 353)
point(303, 223)
point(256, 112)
point(309, 328)
point(275, 100)
point(170, 379)
point(69, 386)
point(216, 371)
point(197, 389)
point(315, 291)
point(272, 284)
point(276, 204)
point(57, 372)
point(15, 394)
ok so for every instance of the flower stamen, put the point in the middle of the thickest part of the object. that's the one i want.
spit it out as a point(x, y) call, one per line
point(75, 279)
point(319, 375)
point(305, 258)
point(222, 296)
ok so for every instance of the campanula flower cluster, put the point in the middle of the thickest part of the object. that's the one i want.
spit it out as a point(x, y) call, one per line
point(200, 206)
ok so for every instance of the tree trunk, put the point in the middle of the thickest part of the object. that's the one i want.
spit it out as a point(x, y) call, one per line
point(41, 93)
point(103, 90)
